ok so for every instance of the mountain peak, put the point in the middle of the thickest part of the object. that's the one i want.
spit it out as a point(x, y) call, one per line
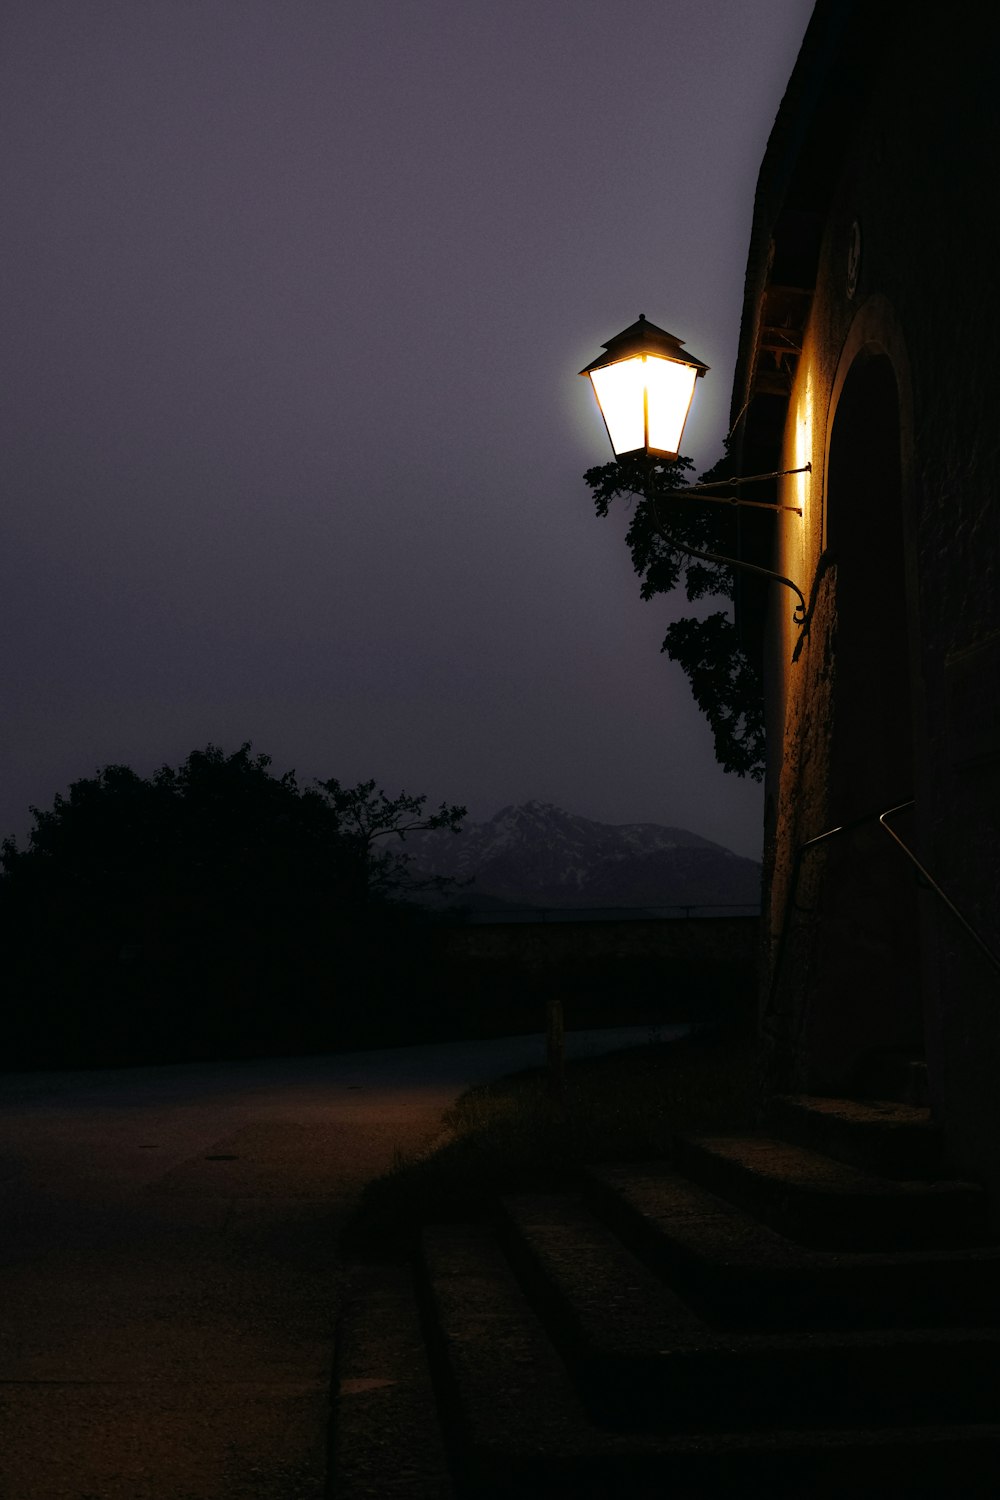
point(537, 854)
point(533, 807)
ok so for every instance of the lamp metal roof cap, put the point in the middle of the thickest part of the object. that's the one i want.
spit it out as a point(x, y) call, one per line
point(643, 337)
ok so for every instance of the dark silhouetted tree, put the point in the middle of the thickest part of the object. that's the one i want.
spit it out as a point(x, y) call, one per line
point(212, 909)
point(365, 814)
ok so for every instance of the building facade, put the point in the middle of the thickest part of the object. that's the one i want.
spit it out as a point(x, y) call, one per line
point(869, 351)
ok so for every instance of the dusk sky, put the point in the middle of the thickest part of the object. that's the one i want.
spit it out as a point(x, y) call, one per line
point(295, 296)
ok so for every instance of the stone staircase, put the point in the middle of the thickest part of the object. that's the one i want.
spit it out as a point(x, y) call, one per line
point(812, 1312)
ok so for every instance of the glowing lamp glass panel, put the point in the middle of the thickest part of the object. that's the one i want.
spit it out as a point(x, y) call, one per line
point(645, 402)
point(670, 387)
point(619, 390)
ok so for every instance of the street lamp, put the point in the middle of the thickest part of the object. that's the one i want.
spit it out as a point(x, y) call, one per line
point(644, 385)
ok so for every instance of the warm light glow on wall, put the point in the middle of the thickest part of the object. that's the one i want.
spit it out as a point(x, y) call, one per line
point(803, 442)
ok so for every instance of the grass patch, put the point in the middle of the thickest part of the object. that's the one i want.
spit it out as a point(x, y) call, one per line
point(510, 1136)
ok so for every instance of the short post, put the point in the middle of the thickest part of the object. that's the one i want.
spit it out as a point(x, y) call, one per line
point(555, 1045)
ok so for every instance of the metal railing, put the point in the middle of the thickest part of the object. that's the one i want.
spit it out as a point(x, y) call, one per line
point(924, 873)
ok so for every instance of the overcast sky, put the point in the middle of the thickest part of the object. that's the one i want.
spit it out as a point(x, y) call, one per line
point(296, 293)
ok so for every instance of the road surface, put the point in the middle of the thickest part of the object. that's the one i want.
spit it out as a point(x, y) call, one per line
point(168, 1269)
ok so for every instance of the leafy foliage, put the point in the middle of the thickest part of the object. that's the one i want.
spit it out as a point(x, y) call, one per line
point(724, 680)
point(211, 909)
point(365, 813)
point(215, 818)
point(725, 686)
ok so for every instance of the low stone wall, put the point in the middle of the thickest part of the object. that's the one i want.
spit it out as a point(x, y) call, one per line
point(711, 940)
point(605, 972)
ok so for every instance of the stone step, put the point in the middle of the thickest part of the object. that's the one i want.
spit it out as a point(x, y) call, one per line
point(894, 1075)
point(881, 1136)
point(520, 1428)
point(827, 1203)
point(645, 1360)
point(386, 1437)
point(506, 1393)
point(737, 1271)
point(609, 1315)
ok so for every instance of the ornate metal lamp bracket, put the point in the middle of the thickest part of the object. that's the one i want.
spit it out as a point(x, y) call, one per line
point(695, 492)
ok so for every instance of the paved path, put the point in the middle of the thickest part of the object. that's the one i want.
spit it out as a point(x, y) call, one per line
point(168, 1277)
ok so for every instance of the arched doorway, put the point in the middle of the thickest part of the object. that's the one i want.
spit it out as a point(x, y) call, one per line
point(865, 1009)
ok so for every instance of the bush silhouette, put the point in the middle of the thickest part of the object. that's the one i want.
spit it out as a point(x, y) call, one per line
point(210, 910)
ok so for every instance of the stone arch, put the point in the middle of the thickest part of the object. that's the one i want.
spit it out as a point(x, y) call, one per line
point(865, 1006)
point(871, 751)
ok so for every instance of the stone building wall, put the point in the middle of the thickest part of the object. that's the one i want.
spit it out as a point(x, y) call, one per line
point(885, 148)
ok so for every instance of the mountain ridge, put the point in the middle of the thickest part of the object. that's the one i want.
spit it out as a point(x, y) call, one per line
point(537, 854)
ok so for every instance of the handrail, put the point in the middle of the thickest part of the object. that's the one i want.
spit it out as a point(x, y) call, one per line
point(830, 833)
point(793, 885)
point(980, 942)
